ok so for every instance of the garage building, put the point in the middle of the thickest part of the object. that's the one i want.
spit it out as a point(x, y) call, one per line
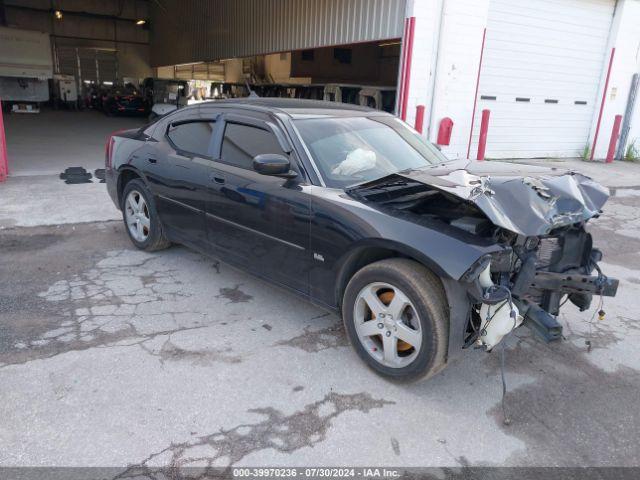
point(553, 75)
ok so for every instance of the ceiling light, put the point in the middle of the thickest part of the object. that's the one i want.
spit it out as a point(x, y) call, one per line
point(58, 14)
point(140, 22)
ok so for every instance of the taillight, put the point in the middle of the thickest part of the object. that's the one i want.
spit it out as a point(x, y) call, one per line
point(108, 151)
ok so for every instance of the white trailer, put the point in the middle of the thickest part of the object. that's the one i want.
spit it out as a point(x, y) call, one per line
point(25, 66)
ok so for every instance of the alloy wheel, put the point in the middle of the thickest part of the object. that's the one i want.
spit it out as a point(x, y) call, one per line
point(387, 325)
point(137, 216)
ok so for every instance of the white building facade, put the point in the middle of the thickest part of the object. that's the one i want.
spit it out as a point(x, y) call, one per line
point(554, 75)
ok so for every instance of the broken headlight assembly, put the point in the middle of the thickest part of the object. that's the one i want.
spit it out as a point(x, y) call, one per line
point(537, 274)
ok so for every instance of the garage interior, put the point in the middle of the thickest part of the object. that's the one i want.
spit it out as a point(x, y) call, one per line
point(540, 76)
point(101, 50)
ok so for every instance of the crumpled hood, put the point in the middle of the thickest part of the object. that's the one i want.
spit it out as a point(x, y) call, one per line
point(525, 199)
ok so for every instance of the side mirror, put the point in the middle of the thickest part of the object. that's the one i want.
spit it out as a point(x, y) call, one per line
point(274, 165)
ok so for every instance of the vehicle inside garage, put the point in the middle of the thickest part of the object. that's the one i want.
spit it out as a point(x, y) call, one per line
point(62, 64)
point(101, 69)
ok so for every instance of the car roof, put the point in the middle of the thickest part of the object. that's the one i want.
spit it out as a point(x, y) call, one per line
point(297, 108)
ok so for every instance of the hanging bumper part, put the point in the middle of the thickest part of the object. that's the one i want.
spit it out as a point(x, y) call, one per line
point(575, 283)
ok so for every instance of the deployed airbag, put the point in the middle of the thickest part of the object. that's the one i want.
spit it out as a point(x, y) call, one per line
point(359, 160)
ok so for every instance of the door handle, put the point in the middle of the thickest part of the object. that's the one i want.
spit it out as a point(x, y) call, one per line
point(216, 178)
point(152, 160)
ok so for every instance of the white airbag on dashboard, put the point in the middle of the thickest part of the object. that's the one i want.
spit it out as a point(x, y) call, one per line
point(359, 160)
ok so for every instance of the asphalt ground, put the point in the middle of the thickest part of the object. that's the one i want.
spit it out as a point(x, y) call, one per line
point(118, 358)
point(110, 357)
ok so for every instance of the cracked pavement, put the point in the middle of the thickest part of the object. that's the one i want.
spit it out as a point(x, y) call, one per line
point(149, 362)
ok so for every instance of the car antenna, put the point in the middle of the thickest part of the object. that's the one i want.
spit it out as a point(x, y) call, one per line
point(252, 94)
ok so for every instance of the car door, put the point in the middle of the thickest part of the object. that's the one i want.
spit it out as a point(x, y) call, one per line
point(178, 170)
point(260, 222)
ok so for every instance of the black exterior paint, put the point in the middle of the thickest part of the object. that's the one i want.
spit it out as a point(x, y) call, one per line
point(293, 232)
point(273, 226)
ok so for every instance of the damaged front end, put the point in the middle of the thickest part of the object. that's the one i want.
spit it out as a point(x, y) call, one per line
point(538, 274)
point(537, 217)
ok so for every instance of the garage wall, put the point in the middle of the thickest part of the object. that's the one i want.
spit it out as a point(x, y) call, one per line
point(238, 28)
point(540, 75)
point(128, 42)
point(459, 35)
point(625, 38)
point(427, 16)
point(369, 64)
point(278, 67)
point(545, 62)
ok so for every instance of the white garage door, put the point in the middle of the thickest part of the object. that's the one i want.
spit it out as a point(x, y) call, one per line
point(541, 71)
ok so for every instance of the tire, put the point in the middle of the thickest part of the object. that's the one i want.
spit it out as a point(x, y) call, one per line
point(153, 237)
point(426, 316)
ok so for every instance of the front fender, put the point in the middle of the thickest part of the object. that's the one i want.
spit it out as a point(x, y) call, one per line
point(344, 229)
point(360, 248)
point(447, 252)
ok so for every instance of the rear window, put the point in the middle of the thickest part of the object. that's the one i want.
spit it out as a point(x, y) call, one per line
point(192, 137)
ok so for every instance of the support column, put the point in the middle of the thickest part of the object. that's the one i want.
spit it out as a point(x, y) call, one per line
point(613, 95)
point(417, 59)
point(4, 161)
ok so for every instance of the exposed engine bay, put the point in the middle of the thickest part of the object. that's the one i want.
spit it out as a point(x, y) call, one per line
point(546, 256)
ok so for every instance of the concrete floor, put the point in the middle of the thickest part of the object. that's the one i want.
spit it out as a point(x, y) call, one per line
point(29, 201)
point(65, 139)
point(114, 357)
point(33, 193)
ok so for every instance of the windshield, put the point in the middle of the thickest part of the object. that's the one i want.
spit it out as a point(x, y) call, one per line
point(360, 149)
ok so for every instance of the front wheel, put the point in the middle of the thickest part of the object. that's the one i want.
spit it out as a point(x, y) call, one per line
point(396, 316)
point(141, 218)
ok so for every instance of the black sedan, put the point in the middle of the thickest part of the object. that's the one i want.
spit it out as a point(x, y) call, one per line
point(355, 211)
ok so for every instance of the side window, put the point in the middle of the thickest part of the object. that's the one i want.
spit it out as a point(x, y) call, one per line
point(192, 137)
point(241, 143)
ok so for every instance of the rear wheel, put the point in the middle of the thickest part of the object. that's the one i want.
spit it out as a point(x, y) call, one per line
point(141, 218)
point(396, 316)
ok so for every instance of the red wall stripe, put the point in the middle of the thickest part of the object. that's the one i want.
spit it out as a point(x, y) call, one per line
point(4, 161)
point(407, 69)
point(475, 97)
point(403, 64)
point(604, 97)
